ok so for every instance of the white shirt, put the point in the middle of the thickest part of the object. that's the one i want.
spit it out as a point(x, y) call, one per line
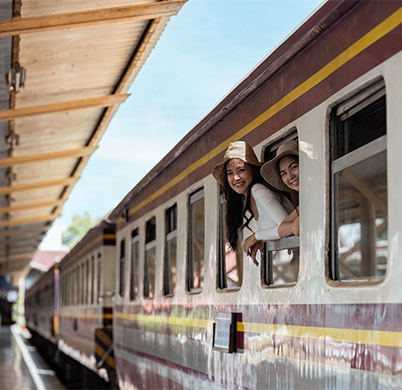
point(270, 212)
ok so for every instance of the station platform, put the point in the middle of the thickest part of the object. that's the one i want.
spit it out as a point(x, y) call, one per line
point(21, 367)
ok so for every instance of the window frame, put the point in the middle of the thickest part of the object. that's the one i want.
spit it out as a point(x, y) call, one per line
point(291, 242)
point(122, 266)
point(193, 197)
point(168, 236)
point(135, 240)
point(355, 102)
point(149, 245)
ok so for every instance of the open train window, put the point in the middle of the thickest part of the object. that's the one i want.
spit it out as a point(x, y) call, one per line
point(196, 237)
point(122, 264)
point(169, 265)
point(135, 254)
point(230, 265)
point(150, 258)
point(280, 263)
point(359, 212)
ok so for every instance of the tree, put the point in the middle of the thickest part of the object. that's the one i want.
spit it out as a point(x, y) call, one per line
point(79, 226)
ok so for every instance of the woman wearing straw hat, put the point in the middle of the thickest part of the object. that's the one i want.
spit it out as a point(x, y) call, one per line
point(248, 197)
point(282, 172)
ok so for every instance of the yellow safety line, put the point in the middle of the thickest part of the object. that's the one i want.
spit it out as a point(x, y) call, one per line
point(352, 51)
point(356, 336)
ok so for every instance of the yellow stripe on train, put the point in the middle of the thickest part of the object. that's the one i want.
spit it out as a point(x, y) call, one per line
point(357, 336)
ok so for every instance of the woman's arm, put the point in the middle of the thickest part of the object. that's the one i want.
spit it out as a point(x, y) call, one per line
point(271, 212)
point(290, 226)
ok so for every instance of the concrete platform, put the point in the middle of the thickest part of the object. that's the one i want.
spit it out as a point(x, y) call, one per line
point(21, 367)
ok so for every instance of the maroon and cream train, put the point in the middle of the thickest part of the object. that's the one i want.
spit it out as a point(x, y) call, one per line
point(321, 311)
point(190, 314)
point(69, 309)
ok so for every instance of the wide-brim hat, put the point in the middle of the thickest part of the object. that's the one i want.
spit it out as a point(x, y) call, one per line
point(270, 170)
point(239, 149)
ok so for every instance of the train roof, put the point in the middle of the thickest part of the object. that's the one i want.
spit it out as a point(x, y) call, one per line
point(307, 33)
point(79, 59)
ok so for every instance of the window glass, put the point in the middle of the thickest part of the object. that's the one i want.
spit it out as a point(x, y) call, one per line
point(196, 235)
point(150, 258)
point(99, 276)
point(92, 279)
point(87, 280)
point(169, 277)
point(135, 253)
point(359, 212)
point(122, 266)
point(230, 268)
point(82, 289)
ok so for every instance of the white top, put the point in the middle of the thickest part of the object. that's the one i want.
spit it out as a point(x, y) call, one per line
point(270, 212)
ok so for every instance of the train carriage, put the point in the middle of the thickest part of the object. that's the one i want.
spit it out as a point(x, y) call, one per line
point(86, 293)
point(322, 310)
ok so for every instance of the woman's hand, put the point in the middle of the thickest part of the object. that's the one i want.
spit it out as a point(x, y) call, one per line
point(251, 246)
point(249, 242)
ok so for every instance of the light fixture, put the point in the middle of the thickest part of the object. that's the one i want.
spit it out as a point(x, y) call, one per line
point(16, 77)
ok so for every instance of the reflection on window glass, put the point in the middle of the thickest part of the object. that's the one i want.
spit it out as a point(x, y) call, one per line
point(135, 253)
point(230, 261)
point(150, 258)
point(281, 267)
point(359, 244)
point(169, 278)
point(361, 218)
point(196, 241)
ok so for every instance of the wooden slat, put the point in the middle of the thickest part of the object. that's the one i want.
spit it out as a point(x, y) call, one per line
point(49, 203)
point(37, 185)
point(103, 101)
point(4, 240)
point(25, 221)
point(90, 18)
point(17, 257)
point(71, 153)
point(9, 233)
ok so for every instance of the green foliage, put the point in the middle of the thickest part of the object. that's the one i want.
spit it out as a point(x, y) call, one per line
point(79, 226)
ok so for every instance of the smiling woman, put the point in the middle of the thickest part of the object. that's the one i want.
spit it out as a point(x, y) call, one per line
point(249, 197)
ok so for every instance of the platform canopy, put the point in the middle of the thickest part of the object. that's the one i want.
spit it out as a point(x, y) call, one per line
point(78, 59)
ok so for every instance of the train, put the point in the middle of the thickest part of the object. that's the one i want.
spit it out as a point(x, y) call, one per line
point(322, 310)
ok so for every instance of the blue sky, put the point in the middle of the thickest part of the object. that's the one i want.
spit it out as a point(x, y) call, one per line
point(204, 52)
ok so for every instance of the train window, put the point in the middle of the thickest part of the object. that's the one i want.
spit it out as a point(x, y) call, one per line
point(78, 286)
point(87, 280)
point(359, 211)
point(98, 284)
point(230, 266)
point(196, 233)
point(169, 274)
point(280, 263)
point(135, 254)
point(122, 266)
point(92, 279)
point(82, 283)
point(150, 258)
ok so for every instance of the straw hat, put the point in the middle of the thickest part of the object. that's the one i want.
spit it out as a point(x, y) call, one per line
point(239, 149)
point(270, 170)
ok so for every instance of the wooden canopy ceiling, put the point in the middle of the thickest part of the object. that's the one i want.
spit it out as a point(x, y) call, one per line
point(80, 59)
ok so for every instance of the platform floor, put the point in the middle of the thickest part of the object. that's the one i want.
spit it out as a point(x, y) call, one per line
point(21, 367)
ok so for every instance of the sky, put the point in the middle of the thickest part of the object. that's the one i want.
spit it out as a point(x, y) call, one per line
point(204, 52)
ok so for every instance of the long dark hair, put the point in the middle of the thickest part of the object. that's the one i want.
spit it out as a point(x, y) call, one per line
point(236, 202)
